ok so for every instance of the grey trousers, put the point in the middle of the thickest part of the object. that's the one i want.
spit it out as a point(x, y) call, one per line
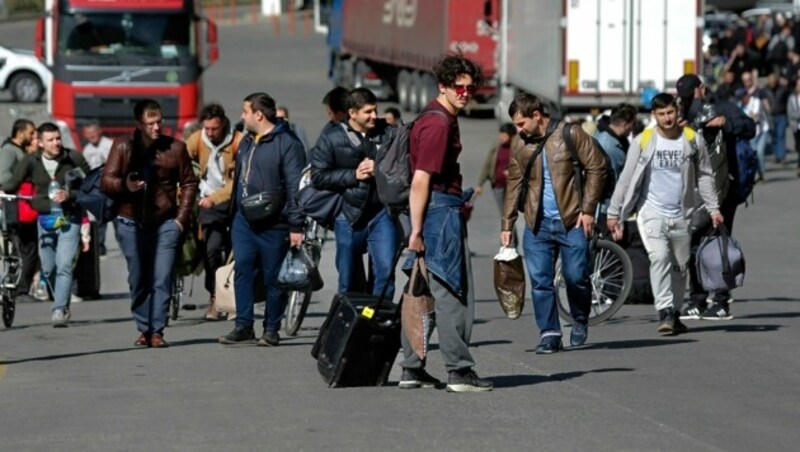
point(454, 317)
point(668, 245)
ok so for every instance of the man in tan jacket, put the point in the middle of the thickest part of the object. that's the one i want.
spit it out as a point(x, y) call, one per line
point(213, 147)
point(559, 214)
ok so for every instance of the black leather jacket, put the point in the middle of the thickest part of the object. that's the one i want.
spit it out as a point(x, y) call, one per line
point(334, 159)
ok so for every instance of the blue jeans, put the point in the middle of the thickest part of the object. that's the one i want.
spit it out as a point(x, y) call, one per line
point(150, 253)
point(378, 238)
point(58, 251)
point(263, 250)
point(759, 143)
point(778, 131)
point(541, 251)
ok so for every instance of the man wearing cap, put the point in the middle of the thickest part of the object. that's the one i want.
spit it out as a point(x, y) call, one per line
point(734, 125)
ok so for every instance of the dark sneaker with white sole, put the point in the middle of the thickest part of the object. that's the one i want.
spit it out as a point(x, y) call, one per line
point(418, 378)
point(693, 310)
point(717, 312)
point(467, 381)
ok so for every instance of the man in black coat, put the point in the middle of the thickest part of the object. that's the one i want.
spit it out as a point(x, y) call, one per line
point(734, 125)
point(343, 161)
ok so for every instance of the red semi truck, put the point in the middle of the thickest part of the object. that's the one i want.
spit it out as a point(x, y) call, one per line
point(390, 46)
point(105, 55)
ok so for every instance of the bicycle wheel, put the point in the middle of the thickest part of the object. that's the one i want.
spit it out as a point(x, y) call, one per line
point(9, 309)
point(611, 278)
point(296, 311)
point(177, 295)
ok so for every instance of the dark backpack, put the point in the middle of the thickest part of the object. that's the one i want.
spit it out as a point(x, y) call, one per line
point(94, 200)
point(580, 173)
point(393, 167)
point(748, 169)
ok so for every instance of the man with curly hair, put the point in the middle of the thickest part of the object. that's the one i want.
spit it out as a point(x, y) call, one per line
point(438, 229)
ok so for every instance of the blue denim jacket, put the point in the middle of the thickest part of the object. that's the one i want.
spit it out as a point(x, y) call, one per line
point(443, 232)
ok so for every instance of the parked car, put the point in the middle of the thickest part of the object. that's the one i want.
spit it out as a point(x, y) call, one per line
point(23, 75)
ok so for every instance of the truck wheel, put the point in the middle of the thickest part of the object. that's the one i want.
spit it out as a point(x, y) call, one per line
point(427, 90)
point(414, 105)
point(404, 89)
point(361, 70)
point(26, 87)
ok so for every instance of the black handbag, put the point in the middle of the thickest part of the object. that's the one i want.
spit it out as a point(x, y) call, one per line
point(262, 206)
point(323, 206)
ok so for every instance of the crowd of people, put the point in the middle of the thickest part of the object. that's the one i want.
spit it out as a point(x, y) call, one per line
point(756, 65)
point(242, 181)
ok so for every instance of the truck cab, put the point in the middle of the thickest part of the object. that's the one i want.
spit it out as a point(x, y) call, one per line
point(105, 56)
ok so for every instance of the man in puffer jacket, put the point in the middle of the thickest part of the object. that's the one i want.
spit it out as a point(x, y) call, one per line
point(269, 163)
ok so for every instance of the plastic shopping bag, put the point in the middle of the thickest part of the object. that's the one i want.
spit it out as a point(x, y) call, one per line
point(299, 271)
point(509, 281)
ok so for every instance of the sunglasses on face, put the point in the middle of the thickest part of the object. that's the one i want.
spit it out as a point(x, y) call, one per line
point(465, 89)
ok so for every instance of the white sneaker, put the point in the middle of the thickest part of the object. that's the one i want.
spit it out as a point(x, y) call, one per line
point(75, 299)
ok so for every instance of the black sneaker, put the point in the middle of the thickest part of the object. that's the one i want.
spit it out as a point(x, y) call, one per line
point(418, 378)
point(679, 327)
point(467, 381)
point(549, 345)
point(693, 310)
point(718, 311)
point(666, 322)
point(270, 339)
point(239, 335)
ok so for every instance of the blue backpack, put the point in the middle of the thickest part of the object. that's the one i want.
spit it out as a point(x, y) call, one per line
point(93, 199)
point(748, 169)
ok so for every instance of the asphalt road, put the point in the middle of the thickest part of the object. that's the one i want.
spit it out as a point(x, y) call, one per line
point(724, 386)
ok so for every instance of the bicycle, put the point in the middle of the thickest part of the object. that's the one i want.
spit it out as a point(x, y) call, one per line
point(10, 265)
point(611, 278)
point(176, 300)
point(313, 239)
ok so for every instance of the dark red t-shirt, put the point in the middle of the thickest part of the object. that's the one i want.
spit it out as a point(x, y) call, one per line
point(501, 165)
point(435, 147)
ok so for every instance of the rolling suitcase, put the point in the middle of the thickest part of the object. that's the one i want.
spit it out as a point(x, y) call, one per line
point(358, 342)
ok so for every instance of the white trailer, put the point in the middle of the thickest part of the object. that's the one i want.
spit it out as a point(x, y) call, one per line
point(586, 54)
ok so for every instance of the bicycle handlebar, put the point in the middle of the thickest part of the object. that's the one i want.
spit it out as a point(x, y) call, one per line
point(11, 197)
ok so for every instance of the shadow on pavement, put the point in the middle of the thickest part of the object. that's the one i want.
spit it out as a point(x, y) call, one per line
point(564, 376)
point(771, 315)
point(639, 343)
point(72, 323)
point(198, 341)
point(767, 299)
point(487, 343)
point(738, 328)
point(512, 381)
point(67, 355)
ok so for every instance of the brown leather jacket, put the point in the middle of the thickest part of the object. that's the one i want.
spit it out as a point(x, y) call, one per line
point(562, 175)
point(171, 167)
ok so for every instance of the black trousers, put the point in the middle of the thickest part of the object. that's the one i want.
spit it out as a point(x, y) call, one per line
point(25, 237)
point(702, 224)
point(218, 247)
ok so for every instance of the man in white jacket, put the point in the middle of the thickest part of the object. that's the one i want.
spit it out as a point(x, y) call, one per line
point(663, 168)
